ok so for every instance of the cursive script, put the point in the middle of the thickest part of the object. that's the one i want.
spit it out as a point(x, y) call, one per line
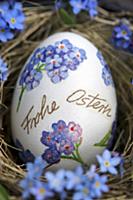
point(81, 98)
point(30, 122)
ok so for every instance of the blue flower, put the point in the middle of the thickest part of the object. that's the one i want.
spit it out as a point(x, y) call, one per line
point(123, 31)
point(92, 7)
point(31, 79)
point(99, 185)
point(3, 70)
point(48, 138)
point(26, 184)
point(2, 23)
point(78, 54)
point(74, 178)
point(91, 172)
point(15, 19)
point(122, 43)
point(41, 191)
point(83, 190)
point(12, 17)
point(101, 58)
point(58, 74)
point(59, 127)
point(108, 163)
point(17, 6)
point(106, 75)
point(38, 56)
point(70, 63)
point(78, 5)
point(50, 51)
point(53, 62)
point(4, 6)
point(66, 147)
point(5, 34)
point(122, 35)
point(63, 46)
point(56, 181)
point(51, 155)
point(58, 4)
point(35, 169)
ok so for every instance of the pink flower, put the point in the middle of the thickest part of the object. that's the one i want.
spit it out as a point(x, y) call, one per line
point(75, 131)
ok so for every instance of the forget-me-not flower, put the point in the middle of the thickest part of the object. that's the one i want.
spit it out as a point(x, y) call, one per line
point(15, 19)
point(35, 169)
point(108, 163)
point(56, 180)
point(78, 5)
point(58, 74)
point(41, 191)
point(99, 185)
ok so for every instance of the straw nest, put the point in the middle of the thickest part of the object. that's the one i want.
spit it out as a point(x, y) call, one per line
point(40, 23)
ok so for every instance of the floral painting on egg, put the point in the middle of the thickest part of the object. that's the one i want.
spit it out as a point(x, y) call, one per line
point(106, 73)
point(56, 60)
point(62, 142)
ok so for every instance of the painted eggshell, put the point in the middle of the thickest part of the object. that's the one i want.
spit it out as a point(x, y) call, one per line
point(64, 103)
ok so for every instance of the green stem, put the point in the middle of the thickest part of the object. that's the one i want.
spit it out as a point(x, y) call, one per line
point(78, 154)
point(20, 98)
point(71, 158)
point(103, 142)
point(74, 155)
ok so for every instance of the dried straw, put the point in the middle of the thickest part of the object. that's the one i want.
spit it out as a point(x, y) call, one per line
point(40, 23)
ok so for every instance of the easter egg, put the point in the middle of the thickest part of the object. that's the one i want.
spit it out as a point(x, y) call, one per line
point(64, 104)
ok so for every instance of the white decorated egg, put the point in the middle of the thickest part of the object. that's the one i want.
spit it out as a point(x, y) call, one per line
point(64, 104)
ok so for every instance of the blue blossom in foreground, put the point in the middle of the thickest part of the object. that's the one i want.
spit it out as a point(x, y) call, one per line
point(35, 169)
point(17, 6)
point(26, 184)
point(108, 163)
point(41, 191)
point(78, 5)
point(15, 19)
point(12, 19)
point(3, 70)
point(83, 190)
point(122, 35)
point(4, 6)
point(123, 31)
point(92, 8)
point(5, 34)
point(56, 180)
point(87, 5)
point(91, 172)
point(99, 185)
point(74, 178)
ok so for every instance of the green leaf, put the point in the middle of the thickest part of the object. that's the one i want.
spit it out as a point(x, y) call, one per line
point(3, 193)
point(66, 17)
point(104, 141)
